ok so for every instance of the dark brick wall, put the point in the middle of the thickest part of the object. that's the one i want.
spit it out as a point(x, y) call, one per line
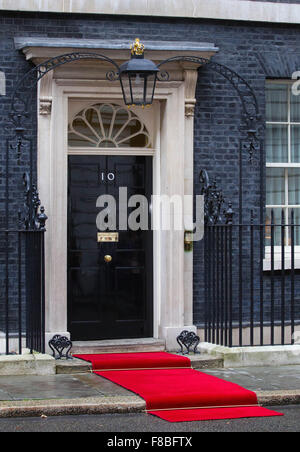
point(255, 51)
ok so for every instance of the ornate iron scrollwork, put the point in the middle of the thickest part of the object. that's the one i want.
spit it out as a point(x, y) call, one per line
point(214, 199)
point(34, 215)
point(252, 121)
point(214, 202)
point(20, 104)
point(188, 339)
point(244, 90)
point(60, 343)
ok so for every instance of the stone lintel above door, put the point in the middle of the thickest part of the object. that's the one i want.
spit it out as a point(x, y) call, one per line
point(40, 49)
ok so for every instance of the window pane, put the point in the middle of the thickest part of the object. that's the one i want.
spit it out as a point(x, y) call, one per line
point(277, 103)
point(82, 135)
point(78, 141)
point(277, 229)
point(295, 144)
point(296, 227)
point(275, 186)
point(104, 123)
point(294, 186)
point(295, 108)
point(277, 144)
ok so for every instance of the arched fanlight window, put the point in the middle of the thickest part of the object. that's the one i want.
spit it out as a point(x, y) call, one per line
point(108, 126)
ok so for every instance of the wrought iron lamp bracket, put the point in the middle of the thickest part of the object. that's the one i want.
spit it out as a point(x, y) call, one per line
point(19, 106)
point(252, 122)
point(20, 103)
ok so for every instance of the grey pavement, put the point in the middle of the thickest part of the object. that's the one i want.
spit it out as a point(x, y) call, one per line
point(141, 423)
point(72, 386)
point(58, 387)
point(86, 393)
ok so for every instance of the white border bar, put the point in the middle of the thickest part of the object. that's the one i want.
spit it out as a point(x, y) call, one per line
point(243, 10)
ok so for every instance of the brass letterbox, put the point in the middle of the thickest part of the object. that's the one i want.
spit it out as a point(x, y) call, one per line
point(105, 237)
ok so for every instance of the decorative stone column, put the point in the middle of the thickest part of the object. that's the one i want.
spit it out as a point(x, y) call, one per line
point(56, 314)
point(190, 82)
point(177, 172)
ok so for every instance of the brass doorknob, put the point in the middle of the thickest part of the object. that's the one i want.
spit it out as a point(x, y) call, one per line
point(107, 258)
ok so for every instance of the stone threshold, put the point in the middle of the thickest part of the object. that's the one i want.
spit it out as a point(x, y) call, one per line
point(266, 356)
point(211, 357)
point(38, 364)
point(77, 366)
point(118, 346)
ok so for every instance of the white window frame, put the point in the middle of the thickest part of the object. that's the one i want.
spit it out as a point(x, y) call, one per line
point(286, 206)
point(2, 84)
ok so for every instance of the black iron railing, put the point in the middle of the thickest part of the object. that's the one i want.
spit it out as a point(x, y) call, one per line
point(22, 296)
point(252, 281)
point(35, 290)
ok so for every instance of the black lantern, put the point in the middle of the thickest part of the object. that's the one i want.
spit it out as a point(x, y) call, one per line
point(138, 77)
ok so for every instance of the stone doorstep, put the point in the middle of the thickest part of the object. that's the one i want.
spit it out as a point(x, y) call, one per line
point(205, 361)
point(212, 356)
point(27, 364)
point(119, 346)
point(38, 364)
point(72, 366)
point(76, 366)
point(113, 405)
point(283, 355)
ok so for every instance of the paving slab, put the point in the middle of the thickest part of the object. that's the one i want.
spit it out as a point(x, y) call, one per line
point(278, 378)
point(4, 395)
point(58, 387)
point(103, 386)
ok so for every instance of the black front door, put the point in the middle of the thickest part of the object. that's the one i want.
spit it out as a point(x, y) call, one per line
point(108, 300)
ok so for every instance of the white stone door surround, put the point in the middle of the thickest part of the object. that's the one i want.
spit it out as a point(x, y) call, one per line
point(173, 116)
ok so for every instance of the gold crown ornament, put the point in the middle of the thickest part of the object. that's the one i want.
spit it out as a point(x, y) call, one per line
point(137, 48)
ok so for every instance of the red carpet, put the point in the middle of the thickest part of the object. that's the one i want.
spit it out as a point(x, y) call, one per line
point(175, 392)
